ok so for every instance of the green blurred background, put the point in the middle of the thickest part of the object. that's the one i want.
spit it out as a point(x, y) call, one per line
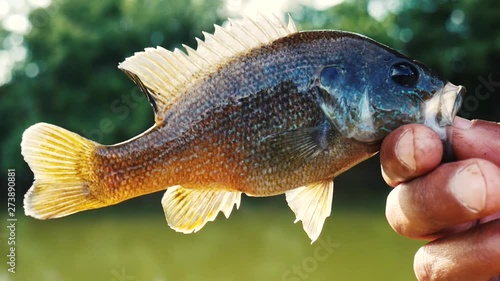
point(58, 65)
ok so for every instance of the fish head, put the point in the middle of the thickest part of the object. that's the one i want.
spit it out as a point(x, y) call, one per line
point(375, 89)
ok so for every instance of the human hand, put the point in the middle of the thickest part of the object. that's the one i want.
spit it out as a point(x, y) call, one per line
point(456, 205)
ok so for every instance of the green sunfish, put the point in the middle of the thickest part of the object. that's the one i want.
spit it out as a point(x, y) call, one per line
point(258, 108)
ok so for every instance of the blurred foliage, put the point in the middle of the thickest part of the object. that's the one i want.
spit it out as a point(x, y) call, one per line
point(75, 46)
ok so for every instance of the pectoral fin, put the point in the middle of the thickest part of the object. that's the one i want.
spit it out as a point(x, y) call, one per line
point(188, 210)
point(295, 147)
point(312, 204)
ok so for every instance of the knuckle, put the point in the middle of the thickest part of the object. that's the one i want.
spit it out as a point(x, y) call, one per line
point(487, 248)
point(423, 267)
point(402, 229)
point(405, 215)
point(393, 212)
point(392, 182)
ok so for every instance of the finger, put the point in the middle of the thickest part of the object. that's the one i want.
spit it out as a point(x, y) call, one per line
point(476, 139)
point(473, 255)
point(452, 194)
point(408, 152)
point(495, 216)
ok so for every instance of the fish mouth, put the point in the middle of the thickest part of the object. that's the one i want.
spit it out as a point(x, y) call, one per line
point(451, 101)
point(441, 109)
point(439, 113)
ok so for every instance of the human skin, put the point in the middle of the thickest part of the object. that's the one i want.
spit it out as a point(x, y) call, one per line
point(455, 205)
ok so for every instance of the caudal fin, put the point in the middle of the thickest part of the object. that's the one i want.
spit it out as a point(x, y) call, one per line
point(61, 162)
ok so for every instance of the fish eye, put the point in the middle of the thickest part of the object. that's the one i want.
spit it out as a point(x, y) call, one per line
point(404, 74)
point(328, 75)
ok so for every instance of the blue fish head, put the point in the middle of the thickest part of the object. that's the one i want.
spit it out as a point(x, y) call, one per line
point(369, 90)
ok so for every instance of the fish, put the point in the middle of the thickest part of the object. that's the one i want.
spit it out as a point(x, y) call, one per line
point(259, 108)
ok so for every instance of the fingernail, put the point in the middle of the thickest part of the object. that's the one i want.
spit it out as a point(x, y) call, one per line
point(462, 123)
point(405, 151)
point(469, 188)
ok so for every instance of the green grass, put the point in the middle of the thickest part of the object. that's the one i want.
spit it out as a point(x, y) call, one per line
point(256, 243)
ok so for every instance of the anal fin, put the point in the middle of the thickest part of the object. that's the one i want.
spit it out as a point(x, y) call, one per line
point(188, 210)
point(312, 204)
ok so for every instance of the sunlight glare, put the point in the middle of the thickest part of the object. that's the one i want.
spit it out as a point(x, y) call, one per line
point(4, 8)
point(277, 7)
point(17, 23)
point(39, 3)
point(6, 65)
point(379, 9)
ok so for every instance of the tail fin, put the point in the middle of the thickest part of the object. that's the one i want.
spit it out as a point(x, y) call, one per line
point(61, 162)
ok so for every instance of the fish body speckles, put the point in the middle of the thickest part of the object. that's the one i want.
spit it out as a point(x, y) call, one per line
point(258, 108)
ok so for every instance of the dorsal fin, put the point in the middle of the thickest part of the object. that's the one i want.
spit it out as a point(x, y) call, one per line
point(164, 75)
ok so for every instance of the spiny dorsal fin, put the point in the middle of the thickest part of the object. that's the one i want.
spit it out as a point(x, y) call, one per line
point(164, 75)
